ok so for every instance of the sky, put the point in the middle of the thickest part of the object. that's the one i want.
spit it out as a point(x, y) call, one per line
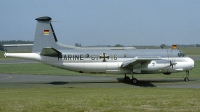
point(105, 22)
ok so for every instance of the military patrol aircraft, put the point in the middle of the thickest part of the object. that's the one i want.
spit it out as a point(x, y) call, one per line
point(117, 60)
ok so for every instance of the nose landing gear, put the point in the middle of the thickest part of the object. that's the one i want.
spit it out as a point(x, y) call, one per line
point(187, 75)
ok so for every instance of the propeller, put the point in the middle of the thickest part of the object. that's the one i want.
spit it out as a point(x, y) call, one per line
point(172, 64)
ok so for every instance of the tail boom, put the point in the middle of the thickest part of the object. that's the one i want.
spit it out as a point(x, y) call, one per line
point(31, 56)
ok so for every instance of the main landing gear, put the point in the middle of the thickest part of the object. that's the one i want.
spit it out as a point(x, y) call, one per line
point(187, 75)
point(133, 80)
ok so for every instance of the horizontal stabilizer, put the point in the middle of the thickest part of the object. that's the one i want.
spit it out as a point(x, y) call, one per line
point(50, 52)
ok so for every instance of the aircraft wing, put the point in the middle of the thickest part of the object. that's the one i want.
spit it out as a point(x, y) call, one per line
point(139, 61)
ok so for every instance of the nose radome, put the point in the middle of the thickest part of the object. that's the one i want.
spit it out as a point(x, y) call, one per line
point(192, 62)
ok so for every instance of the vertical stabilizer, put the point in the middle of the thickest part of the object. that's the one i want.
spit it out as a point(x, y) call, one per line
point(44, 35)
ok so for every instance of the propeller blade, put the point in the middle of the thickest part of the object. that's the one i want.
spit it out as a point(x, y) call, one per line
point(171, 64)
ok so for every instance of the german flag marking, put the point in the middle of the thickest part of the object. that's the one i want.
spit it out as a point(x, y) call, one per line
point(46, 32)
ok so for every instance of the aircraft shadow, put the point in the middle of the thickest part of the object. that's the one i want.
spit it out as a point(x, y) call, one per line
point(149, 83)
point(64, 83)
point(58, 83)
point(140, 83)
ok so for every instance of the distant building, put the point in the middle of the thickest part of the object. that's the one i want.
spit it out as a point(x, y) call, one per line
point(17, 47)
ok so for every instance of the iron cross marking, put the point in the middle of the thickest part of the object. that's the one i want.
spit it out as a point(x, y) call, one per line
point(104, 56)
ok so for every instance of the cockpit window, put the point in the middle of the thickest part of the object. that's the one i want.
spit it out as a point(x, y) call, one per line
point(181, 54)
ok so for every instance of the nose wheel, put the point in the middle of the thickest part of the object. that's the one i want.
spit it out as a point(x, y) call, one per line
point(187, 75)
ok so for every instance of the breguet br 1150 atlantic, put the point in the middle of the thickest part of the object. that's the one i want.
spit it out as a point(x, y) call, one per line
point(117, 60)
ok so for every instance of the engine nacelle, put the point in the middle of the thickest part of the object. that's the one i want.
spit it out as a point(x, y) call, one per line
point(156, 65)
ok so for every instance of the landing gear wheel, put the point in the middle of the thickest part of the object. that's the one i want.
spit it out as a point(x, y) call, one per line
point(186, 79)
point(134, 81)
point(126, 79)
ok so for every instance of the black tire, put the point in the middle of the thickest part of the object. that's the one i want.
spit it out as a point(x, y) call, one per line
point(186, 79)
point(134, 81)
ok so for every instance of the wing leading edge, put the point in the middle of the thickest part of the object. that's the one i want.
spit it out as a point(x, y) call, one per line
point(139, 61)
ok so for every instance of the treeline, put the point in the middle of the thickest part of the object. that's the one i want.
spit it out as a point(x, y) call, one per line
point(2, 42)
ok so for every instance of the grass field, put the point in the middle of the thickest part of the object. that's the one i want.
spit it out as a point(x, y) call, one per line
point(190, 50)
point(99, 99)
point(34, 68)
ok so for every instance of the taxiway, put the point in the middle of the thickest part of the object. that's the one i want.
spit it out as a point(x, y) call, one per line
point(23, 81)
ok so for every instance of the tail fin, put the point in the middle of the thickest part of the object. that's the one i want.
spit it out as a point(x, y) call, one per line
point(44, 35)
